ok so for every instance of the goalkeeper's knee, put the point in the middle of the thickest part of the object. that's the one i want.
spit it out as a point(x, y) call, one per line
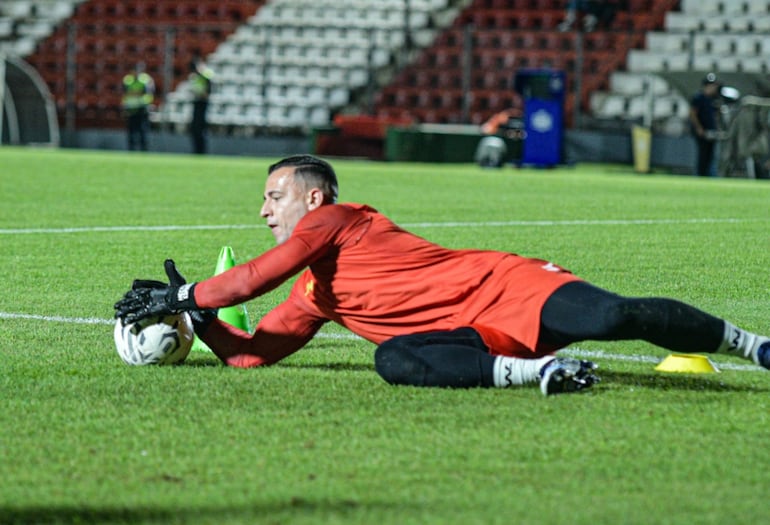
point(396, 364)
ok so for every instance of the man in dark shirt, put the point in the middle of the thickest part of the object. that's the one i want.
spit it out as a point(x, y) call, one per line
point(703, 119)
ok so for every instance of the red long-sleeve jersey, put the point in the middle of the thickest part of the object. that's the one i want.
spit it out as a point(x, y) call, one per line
point(378, 280)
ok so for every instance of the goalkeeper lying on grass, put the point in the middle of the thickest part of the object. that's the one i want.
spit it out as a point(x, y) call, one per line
point(440, 317)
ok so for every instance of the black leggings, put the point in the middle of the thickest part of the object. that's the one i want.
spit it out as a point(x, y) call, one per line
point(455, 358)
point(575, 312)
point(578, 311)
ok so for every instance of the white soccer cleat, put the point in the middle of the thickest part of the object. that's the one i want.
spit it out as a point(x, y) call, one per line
point(564, 375)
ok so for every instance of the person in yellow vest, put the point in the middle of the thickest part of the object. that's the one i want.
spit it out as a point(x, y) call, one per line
point(200, 85)
point(138, 96)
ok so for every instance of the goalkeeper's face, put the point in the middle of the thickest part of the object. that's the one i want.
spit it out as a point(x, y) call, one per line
point(286, 202)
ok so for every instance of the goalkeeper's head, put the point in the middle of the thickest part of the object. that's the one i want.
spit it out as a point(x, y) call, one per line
point(295, 186)
point(309, 172)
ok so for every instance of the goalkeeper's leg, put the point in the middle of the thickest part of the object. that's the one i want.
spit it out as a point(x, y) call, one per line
point(460, 359)
point(456, 358)
point(578, 311)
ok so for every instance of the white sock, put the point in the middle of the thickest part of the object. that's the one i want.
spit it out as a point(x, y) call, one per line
point(510, 371)
point(740, 342)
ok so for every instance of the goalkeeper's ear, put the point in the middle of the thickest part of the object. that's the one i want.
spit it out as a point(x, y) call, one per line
point(174, 277)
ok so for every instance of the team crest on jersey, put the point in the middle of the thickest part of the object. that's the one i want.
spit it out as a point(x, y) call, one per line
point(309, 288)
point(550, 267)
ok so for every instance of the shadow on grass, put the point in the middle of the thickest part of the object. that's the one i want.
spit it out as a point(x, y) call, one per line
point(661, 381)
point(279, 511)
point(331, 367)
point(211, 362)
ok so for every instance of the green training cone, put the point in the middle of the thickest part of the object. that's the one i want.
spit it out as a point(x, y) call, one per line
point(233, 315)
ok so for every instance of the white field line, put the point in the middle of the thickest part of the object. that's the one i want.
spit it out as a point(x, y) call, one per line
point(582, 353)
point(466, 224)
point(118, 229)
point(576, 352)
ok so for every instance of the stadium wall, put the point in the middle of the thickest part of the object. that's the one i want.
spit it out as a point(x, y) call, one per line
point(167, 142)
point(676, 154)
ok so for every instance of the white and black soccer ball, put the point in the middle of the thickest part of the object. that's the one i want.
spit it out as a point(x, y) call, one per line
point(155, 341)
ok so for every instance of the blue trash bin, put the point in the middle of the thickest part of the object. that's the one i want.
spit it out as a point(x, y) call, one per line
point(543, 94)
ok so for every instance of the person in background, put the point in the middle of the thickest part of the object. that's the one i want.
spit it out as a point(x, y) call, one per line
point(492, 151)
point(596, 13)
point(703, 122)
point(200, 84)
point(138, 96)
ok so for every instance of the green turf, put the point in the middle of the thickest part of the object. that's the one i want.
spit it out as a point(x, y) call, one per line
point(319, 438)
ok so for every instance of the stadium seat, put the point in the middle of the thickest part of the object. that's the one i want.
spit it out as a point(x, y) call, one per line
point(611, 106)
point(446, 57)
point(740, 23)
point(227, 93)
point(22, 46)
point(114, 34)
point(638, 107)
point(760, 24)
point(626, 83)
point(721, 44)
point(714, 23)
point(328, 42)
point(643, 60)
point(319, 116)
point(677, 62)
point(701, 6)
point(758, 7)
point(664, 107)
point(753, 64)
point(681, 22)
point(251, 115)
point(664, 42)
point(732, 7)
point(18, 9)
point(682, 107)
point(727, 36)
point(6, 27)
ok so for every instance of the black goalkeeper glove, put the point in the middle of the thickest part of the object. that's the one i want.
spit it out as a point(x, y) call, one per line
point(201, 319)
point(154, 298)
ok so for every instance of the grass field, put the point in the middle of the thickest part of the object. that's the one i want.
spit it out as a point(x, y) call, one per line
point(319, 438)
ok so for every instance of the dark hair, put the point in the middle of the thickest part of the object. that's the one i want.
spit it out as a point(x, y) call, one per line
point(311, 171)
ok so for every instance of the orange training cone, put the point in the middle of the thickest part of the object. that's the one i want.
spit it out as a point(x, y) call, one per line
point(233, 315)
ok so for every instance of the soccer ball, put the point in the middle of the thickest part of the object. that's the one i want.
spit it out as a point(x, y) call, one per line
point(155, 341)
